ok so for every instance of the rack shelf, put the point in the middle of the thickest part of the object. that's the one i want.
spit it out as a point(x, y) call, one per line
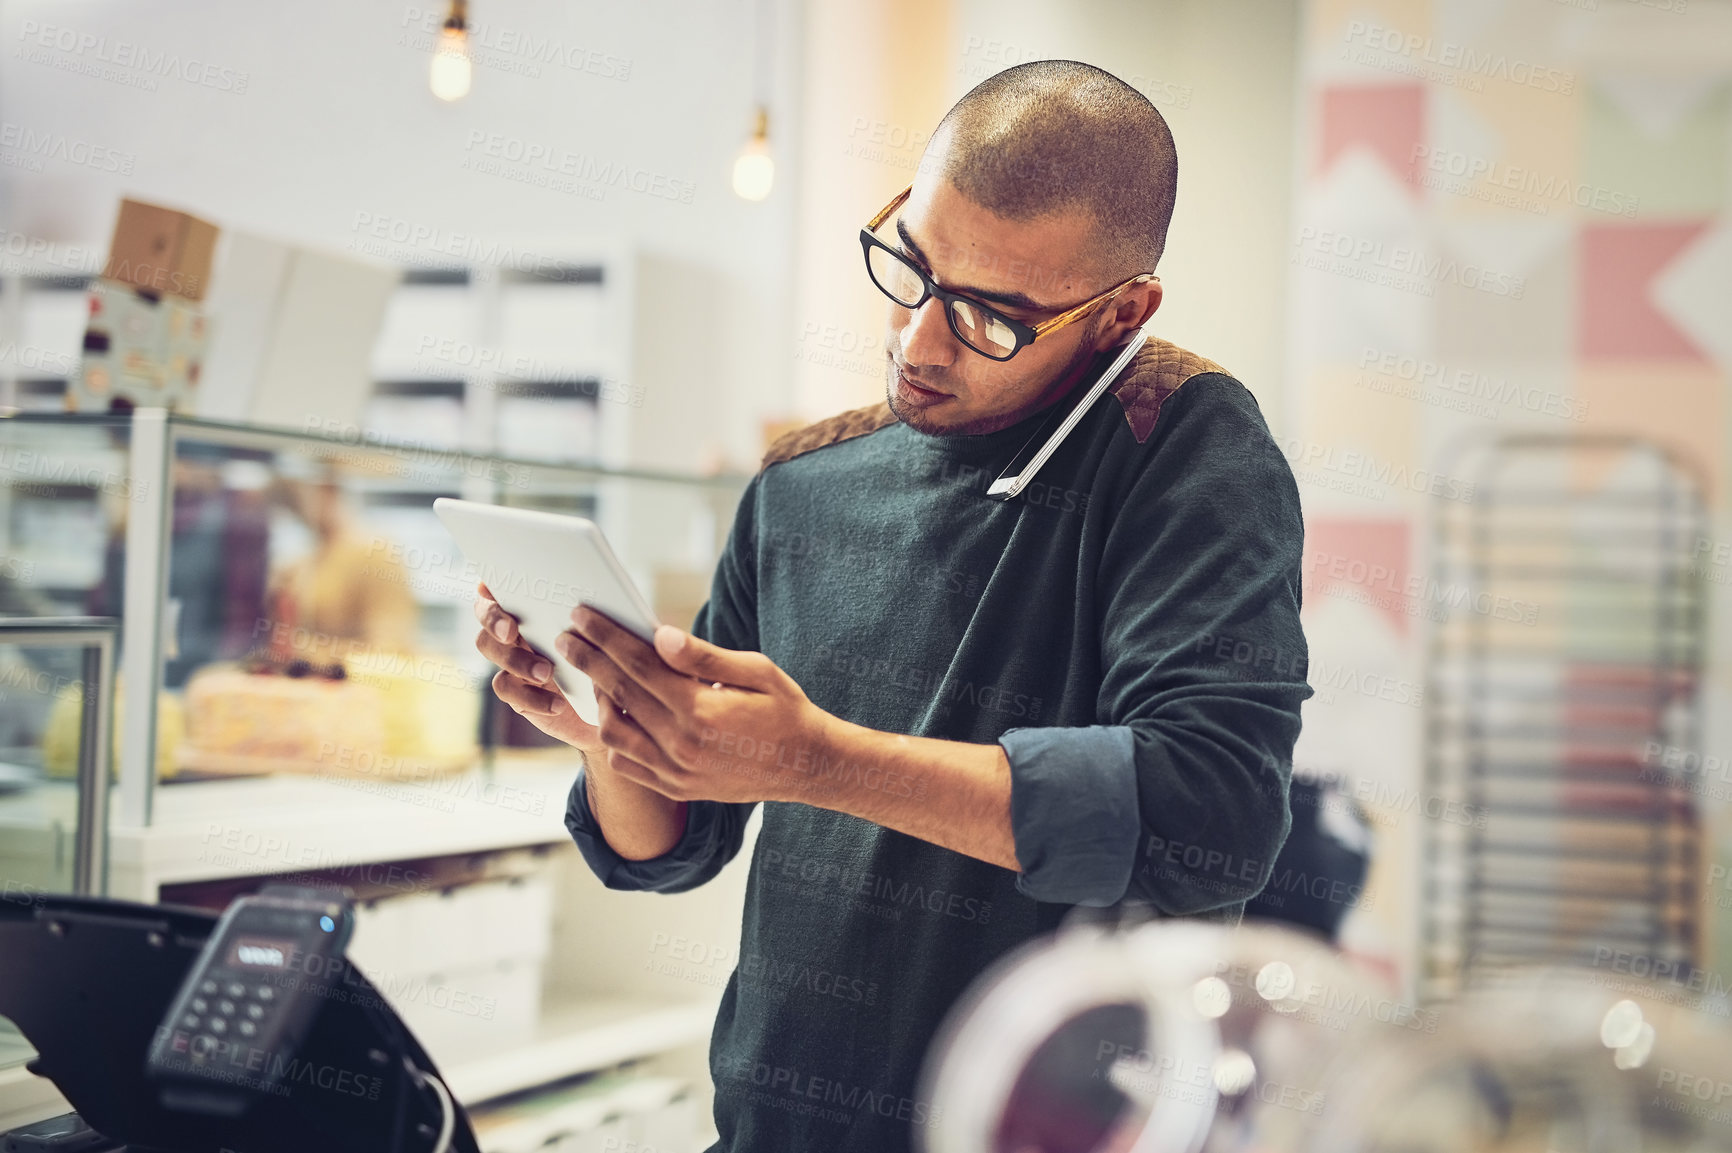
point(1544, 732)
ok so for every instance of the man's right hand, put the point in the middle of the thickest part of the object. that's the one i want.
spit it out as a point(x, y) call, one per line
point(525, 680)
point(637, 822)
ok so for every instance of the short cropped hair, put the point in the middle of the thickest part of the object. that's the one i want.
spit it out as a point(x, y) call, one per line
point(1052, 135)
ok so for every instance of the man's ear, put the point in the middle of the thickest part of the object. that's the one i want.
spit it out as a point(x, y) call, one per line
point(1130, 312)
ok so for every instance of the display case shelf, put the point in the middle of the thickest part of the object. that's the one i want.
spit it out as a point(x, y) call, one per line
point(286, 823)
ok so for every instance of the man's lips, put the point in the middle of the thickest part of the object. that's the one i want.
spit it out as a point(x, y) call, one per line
point(915, 383)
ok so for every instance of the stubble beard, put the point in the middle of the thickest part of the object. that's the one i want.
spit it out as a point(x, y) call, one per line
point(1060, 384)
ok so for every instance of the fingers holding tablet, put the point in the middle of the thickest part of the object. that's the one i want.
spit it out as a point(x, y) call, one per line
point(494, 619)
point(526, 680)
point(538, 565)
point(525, 697)
point(500, 642)
point(522, 670)
point(517, 659)
point(616, 686)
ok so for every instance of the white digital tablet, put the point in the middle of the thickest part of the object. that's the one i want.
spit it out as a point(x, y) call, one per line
point(539, 567)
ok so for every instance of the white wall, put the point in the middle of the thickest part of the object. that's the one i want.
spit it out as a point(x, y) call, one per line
point(876, 83)
point(336, 127)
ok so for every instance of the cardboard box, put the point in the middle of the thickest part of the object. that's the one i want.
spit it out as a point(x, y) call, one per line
point(139, 348)
point(294, 337)
point(161, 250)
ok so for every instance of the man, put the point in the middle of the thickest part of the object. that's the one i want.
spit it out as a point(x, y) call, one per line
point(962, 716)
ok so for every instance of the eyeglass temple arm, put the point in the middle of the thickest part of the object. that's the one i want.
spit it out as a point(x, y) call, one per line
point(884, 213)
point(1071, 314)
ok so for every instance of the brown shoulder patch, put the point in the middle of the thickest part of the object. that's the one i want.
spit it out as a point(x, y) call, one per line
point(830, 430)
point(1154, 374)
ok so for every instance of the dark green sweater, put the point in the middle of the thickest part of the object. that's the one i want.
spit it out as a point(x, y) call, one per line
point(1128, 630)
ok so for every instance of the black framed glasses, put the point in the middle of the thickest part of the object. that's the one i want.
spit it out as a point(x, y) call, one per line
point(979, 326)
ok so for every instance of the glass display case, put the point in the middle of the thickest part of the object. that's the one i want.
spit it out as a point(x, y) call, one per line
point(297, 681)
point(53, 838)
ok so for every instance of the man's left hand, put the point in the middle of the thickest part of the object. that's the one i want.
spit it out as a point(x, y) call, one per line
point(696, 722)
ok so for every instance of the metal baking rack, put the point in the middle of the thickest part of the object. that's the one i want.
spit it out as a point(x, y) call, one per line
point(1562, 711)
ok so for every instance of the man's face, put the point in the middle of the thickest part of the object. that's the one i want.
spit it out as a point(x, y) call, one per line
point(1028, 269)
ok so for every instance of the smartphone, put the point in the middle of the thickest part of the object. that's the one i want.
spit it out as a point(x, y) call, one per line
point(1024, 465)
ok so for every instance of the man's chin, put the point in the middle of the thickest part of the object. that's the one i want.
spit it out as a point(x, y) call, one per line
point(928, 423)
point(916, 417)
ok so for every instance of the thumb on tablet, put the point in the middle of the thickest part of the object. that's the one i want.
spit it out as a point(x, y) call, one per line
point(698, 658)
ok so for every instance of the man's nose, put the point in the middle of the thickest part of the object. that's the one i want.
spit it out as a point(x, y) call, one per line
point(926, 338)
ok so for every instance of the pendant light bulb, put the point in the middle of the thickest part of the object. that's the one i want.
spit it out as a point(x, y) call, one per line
point(754, 169)
point(451, 69)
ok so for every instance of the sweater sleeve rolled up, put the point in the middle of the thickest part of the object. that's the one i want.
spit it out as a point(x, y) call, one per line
point(1178, 796)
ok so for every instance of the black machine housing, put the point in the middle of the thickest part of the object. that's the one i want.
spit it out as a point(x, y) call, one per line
point(88, 981)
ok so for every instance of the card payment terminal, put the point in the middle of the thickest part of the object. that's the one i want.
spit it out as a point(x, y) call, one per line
point(235, 1027)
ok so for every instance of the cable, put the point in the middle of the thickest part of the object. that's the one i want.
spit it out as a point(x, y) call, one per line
point(448, 1111)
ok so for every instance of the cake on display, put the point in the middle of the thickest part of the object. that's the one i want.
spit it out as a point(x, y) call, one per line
point(394, 716)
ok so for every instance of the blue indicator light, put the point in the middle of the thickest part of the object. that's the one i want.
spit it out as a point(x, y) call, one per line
point(327, 924)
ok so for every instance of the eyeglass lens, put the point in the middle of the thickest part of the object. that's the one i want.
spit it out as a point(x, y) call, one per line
point(980, 330)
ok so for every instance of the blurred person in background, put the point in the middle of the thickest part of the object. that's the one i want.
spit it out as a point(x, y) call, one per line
point(216, 579)
point(347, 587)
